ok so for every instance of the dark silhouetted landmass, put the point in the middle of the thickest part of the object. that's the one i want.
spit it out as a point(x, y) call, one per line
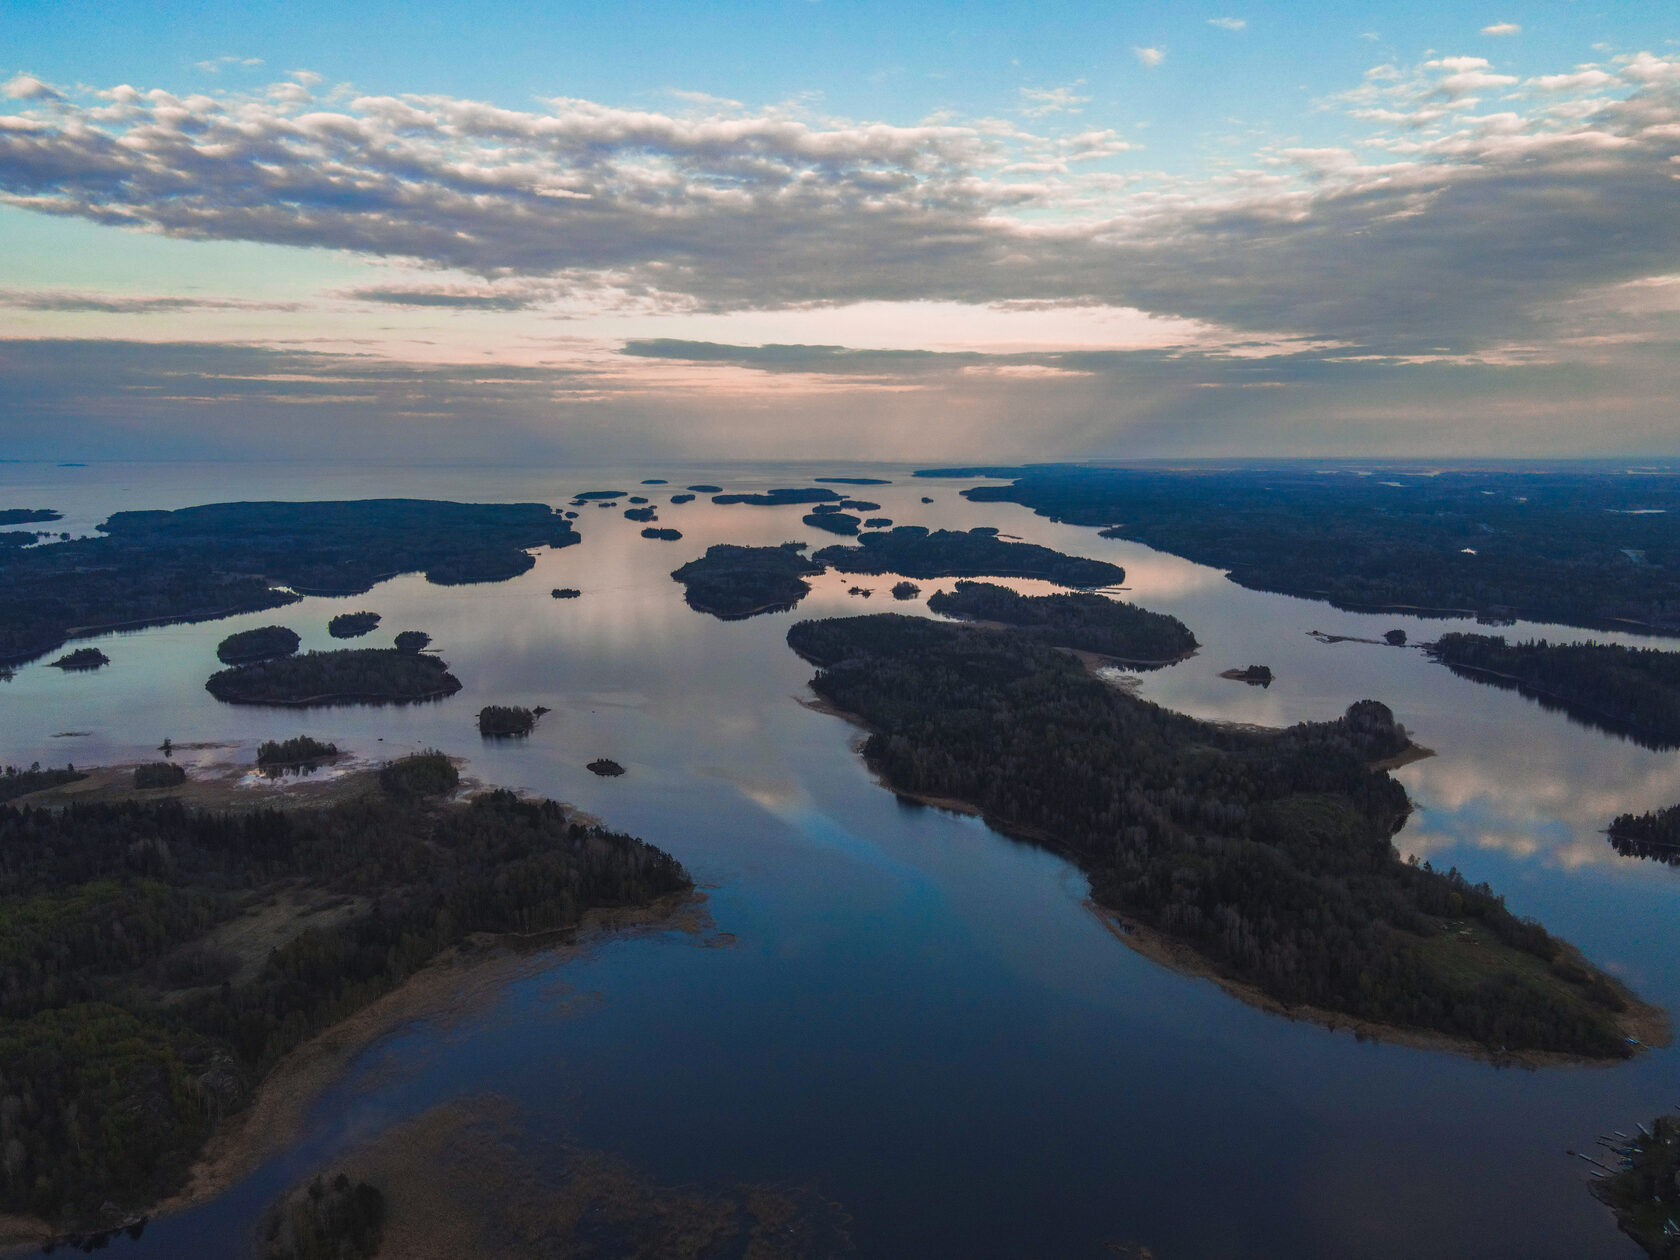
point(257, 645)
point(834, 522)
point(1584, 548)
point(878, 522)
point(82, 659)
point(412, 640)
point(565, 592)
point(590, 495)
point(1268, 855)
point(641, 514)
point(505, 719)
point(908, 590)
point(353, 625)
point(1088, 623)
point(1633, 692)
point(200, 563)
point(606, 767)
point(347, 676)
point(703, 489)
point(1253, 675)
point(1653, 835)
point(654, 481)
point(663, 535)
point(853, 481)
point(682, 498)
point(301, 750)
point(915, 552)
point(1644, 1189)
point(28, 516)
point(859, 505)
point(732, 582)
point(779, 498)
point(159, 774)
point(15, 783)
point(336, 1220)
point(123, 1049)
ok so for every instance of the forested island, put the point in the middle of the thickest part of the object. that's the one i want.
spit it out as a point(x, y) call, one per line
point(257, 645)
point(778, 498)
point(1644, 1191)
point(1650, 835)
point(507, 719)
point(662, 535)
point(1086, 623)
point(299, 751)
point(914, 551)
point(200, 563)
point(1634, 692)
point(1263, 857)
point(347, 676)
point(28, 516)
point(139, 1009)
point(835, 522)
point(353, 625)
point(731, 582)
point(1593, 549)
point(853, 481)
point(81, 659)
point(411, 640)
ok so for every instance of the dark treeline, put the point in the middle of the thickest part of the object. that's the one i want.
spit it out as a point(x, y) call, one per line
point(1651, 835)
point(353, 625)
point(777, 498)
point(732, 582)
point(1644, 1192)
point(1584, 548)
point(505, 719)
point(297, 751)
point(915, 552)
point(1629, 691)
point(126, 1032)
point(82, 658)
point(15, 783)
point(257, 645)
point(159, 774)
point(205, 562)
point(1090, 623)
point(1268, 854)
point(347, 676)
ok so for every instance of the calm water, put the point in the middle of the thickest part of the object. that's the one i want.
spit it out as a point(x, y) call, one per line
point(919, 1018)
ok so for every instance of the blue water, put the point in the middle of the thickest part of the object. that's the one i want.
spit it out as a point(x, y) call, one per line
point(918, 1018)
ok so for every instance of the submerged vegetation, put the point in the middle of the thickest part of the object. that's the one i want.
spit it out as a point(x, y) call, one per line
point(1629, 691)
point(1268, 855)
point(200, 563)
point(133, 1023)
point(916, 552)
point(1088, 623)
point(257, 645)
point(353, 625)
point(346, 676)
point(732, 582)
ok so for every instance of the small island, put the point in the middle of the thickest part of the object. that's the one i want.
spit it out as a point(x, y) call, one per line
point(346, 676)
point(412, 640)
point(780, 498)
point(353, 625)
point(502, 719)
point(907, 590)
point(853, 481)
point(1086, 623)
point(643, 514)
point(1262, 859)
point(682, 498)
point(663, 535)
point(158, 774)
point(705, 489)
point(1651, 835)
point(589, 496)
point(565, 592)
point(299, 752)
point(914, 551)
point(81, 659)
point(1253, 675)
point(606, 767)
point(257, 645)
point(858, 505)
point(878, 522)
point(731, 582)
point(28, 516)
point(835, 522)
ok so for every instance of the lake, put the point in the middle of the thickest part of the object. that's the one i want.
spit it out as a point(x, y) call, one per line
point(916, 1018)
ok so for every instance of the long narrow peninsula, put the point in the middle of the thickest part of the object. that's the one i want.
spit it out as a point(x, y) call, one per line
point(1264, 859)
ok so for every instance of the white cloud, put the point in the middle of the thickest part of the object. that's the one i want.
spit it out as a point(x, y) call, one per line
point(26, 87)
point(1039, 102)
point(1502, 28)
point(1229, 23)
point(1149, 58)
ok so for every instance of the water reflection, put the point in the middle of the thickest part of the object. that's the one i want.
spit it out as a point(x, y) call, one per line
point(917, 1017)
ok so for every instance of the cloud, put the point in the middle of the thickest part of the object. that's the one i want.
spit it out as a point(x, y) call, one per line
point(481, 299)
point(1038, 102)
point(1229, 23)
point(1502, 28)
point(121, 304)
point(1149, 58)
point(26, 87)
point(217, 64)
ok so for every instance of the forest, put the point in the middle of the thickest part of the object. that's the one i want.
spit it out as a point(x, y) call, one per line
point(1594, 549)
point(506, 719)
point(1268, 854)
point(300, 750)
point(129, 1029)
point(915, 552)
point(1655, 834)
point(346, 676)
point(731, 582)
point(200, 563)
point(80, 659)
point(257, 645)
point(1644, 1191)
point(15, 782)
point(1088, 623)
point(1634, 692)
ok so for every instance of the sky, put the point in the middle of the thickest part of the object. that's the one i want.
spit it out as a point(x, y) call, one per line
point(523, 232)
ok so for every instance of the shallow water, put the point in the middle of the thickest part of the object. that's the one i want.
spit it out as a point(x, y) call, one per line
point(919, 1018)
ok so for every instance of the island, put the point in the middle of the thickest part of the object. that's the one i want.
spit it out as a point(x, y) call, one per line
point(299, 752)
point(346, 676)
point(1262, 859)
point(1598, 549)
point(731, 582)
point(412, 640)
point(705, 489)
point(858, 505)
point(202, 563)
point(1105, 627)
point(81, 659)
point(245, 935)
point(1633, 692)
point(503, 719)
point(663, 535)
point(682, 498)
point(28, 516)
point(1642, 1187)
point(1253, 675)
point(1655, 834)
point(643, 514)
point(878, 522)
point(257, 645)
point(914, 551)
point(606, 767)
point(353, 625)
point(565, 592)
point(589, 496)
point(835, 522)
point(908, 590)
point(853, 481)
point(780, 498)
